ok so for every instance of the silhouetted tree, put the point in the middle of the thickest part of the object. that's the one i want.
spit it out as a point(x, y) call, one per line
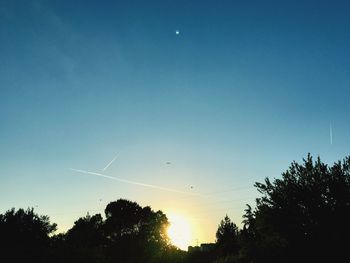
point(86, 232)
point(227, 237)
point(303, 217)
point(152, 232)
point(85, 241)
point(136, 234)
point(24, 235)
point(123, 219)
point(130, 233)
point(247, 237)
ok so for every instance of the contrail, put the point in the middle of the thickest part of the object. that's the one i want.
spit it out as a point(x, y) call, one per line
point(330, 133)
point(134, 183)
point(104, 169)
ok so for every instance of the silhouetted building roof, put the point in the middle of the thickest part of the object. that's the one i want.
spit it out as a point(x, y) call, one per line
point(205, 247)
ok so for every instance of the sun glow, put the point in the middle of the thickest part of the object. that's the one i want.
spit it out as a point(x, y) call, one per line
point(179, 231)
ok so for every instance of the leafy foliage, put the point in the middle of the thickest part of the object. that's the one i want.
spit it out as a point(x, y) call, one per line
point(25, 235)
point(227, 236)
point(303, 216)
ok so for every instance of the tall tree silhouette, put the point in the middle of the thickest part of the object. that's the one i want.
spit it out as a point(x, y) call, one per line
point(137, 234)
point(86, 232)
point(227, 236)
point(303, 216)
point(24, 235)
point(85, 241)
point(123, 219)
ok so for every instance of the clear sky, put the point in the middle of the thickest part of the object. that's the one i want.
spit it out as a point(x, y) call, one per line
point(196, 96)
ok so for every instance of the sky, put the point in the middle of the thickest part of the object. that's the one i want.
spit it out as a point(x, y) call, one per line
point(195, 99)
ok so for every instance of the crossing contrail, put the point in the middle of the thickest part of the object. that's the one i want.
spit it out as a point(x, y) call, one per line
point(104, 169)
point(330, 133)
point(133, 182)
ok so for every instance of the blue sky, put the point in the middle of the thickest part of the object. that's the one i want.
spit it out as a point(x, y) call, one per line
point(244, 89)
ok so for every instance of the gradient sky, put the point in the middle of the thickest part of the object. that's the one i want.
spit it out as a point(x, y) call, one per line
point(243, 90)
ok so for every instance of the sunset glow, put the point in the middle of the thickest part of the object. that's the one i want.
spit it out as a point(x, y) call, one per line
point(179, 231)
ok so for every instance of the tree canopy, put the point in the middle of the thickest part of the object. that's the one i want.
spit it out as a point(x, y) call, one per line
point(227, 236)
point(305, 215)
point(25, 235)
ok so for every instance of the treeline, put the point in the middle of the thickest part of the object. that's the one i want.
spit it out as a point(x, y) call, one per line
point(302, 217)
point(129, 233)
